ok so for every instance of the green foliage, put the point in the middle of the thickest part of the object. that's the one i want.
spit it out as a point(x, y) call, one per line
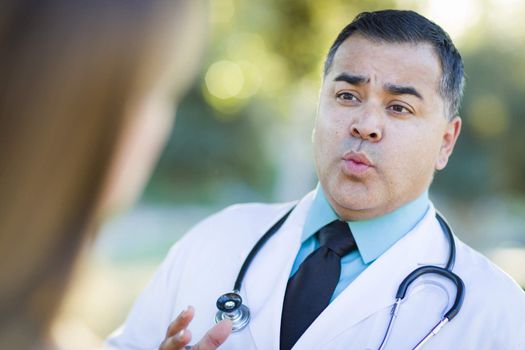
point(206, 153)
point(260, 53)
point(490, 158)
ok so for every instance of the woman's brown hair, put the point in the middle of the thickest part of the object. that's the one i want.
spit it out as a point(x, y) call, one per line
point(71, 71)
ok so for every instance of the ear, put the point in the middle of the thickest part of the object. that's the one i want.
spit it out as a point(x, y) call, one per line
point(450, 137)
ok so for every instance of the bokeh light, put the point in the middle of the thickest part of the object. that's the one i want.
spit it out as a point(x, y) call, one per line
point(224, 79)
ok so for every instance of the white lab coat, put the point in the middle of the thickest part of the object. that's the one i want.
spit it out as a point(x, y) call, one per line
point(205, 263)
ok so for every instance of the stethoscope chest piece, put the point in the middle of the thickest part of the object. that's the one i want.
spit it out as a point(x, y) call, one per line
point(231, 308)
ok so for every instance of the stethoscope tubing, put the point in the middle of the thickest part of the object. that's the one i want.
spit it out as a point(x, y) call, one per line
point(257, 247)
point(230, 304)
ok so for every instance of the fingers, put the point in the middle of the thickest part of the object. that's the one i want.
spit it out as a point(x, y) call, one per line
point(176, 342)
point(181, 322)
point(177, 335)
point(215, 337)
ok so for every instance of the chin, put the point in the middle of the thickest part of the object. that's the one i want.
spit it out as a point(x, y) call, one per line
point(355, 203)
point(350, 197)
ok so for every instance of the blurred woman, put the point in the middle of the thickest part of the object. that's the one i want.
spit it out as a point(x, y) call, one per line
point(86, 102)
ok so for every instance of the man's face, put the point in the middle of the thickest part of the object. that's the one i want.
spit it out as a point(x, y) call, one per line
point(381, 128)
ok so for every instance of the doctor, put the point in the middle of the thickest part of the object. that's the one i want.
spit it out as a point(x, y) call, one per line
point(327, 279)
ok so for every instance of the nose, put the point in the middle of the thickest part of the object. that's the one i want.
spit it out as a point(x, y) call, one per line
point(367, 127)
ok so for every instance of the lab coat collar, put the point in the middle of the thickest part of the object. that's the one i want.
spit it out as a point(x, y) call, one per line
point(266, 280)
point(376, 287)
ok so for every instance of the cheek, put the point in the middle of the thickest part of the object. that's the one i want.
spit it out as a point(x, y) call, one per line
point(329, 126)
point(325, 139)
point(412, 157)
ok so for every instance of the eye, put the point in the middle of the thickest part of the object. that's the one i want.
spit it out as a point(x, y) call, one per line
point(399, 109)
point(346, 97)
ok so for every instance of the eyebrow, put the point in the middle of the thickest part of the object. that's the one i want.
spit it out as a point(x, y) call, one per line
point(352, 79)
point(402, 90)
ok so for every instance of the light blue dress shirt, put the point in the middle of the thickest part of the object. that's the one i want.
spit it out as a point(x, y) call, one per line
point(373, 237)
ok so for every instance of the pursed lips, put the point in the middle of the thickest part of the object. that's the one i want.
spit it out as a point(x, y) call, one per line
point(356, 163)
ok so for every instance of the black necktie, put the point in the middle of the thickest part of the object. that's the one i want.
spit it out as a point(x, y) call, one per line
point(310, 289)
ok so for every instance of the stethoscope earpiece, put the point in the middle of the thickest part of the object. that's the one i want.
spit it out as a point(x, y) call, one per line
point(231, 308)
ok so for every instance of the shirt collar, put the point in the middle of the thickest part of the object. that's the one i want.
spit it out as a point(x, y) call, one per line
point(373, 236)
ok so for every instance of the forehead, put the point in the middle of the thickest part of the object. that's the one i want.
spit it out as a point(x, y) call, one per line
point(396, 63)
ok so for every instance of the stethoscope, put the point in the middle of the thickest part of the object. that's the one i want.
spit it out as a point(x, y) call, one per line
point(231, 307)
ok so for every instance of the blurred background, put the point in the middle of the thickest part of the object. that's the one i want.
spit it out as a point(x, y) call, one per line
point(243, 134)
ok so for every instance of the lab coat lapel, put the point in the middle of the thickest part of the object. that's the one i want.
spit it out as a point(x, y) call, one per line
point(268, 275)
point(376, 287)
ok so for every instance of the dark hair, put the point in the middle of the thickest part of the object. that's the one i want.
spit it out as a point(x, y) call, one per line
point(397, 26)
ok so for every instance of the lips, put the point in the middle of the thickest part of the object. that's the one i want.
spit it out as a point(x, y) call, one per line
point(359, 158)
point(356, 163)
